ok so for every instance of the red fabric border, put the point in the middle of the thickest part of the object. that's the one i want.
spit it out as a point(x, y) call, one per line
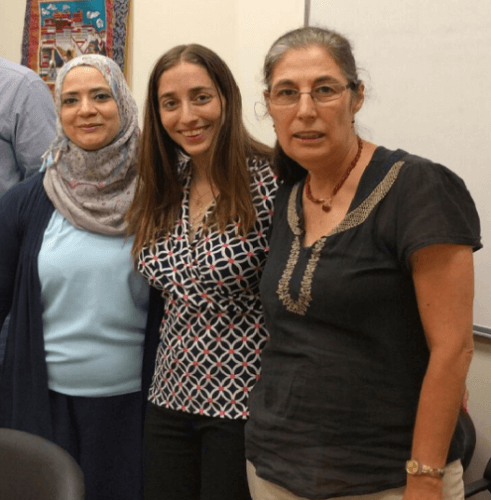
point(34, 36)
point(110, 27)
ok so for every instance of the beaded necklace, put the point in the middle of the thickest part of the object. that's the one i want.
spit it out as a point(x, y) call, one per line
point(327, 203)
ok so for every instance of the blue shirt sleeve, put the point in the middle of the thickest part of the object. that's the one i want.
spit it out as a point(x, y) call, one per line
point(34, 125)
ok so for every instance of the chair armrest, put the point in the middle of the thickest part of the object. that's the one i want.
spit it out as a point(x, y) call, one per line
point(481, 484)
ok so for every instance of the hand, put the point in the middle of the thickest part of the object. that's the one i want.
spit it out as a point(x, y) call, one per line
point(423, 488)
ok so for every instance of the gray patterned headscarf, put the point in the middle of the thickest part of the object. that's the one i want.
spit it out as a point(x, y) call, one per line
point(93, 189)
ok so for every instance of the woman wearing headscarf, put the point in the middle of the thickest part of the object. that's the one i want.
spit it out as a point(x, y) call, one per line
point(73, 371)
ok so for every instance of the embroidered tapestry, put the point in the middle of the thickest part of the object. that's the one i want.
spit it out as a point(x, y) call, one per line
point(57, 31)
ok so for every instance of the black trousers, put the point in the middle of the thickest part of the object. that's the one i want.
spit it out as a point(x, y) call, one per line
point(193, 457)
point(105, 436)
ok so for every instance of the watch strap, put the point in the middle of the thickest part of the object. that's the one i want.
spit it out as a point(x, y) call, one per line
point(414, 468)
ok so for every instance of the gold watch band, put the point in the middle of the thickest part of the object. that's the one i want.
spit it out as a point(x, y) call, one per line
point(414, 468)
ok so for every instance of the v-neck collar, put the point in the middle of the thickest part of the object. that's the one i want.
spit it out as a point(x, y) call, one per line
point(372, 187)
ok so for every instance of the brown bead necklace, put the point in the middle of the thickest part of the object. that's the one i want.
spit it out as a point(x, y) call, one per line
point(326, 204)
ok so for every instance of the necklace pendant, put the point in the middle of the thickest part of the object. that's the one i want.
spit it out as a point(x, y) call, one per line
point(326, 207)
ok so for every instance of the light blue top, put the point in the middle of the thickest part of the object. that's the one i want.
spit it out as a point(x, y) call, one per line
point(27, 123)
point(95, 311)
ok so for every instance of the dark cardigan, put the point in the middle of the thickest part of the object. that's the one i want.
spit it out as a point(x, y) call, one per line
point(24, 403)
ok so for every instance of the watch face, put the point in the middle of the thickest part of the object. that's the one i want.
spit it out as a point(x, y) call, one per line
point(412, 467)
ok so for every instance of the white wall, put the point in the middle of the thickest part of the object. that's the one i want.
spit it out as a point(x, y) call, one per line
point(240, 31)
point(11, 26)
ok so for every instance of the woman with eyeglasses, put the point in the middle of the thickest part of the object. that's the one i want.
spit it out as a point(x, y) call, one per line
point(367, 295)
point(201, 214)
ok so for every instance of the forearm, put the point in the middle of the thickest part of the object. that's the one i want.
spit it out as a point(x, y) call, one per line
point(439, 404)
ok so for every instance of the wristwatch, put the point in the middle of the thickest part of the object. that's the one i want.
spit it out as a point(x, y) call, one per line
point(416, 469)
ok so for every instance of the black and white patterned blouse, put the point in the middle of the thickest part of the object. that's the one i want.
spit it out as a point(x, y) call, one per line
point(212, 332)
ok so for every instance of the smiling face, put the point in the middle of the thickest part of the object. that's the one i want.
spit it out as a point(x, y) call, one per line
point(190, 110)
point(313, 134)
point(89, 114)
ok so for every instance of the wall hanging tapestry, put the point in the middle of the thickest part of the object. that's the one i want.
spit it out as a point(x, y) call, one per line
point(57, 31)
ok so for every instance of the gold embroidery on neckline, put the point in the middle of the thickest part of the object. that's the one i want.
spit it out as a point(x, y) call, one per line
point(352, 219)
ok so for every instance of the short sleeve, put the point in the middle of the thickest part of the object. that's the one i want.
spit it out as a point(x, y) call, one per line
point(433, 206)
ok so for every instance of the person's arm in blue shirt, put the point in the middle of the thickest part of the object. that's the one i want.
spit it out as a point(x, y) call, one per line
point(34, 124)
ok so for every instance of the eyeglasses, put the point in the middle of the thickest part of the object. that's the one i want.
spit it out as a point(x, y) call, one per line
point(288, 96)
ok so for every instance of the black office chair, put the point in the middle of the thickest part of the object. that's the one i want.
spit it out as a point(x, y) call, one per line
point(466, 426)
point(481, 484)
point(33, 468)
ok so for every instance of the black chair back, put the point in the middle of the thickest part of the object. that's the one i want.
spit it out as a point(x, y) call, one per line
point(465, 425)
point(33, 468)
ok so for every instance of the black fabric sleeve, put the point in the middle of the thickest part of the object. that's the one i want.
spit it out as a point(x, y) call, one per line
point(10, 242)
point(433, 206)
